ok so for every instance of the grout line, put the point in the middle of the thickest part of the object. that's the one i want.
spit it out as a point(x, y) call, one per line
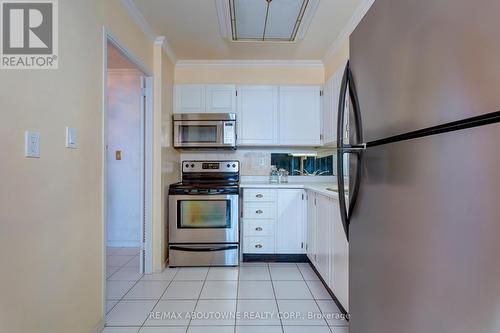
point(159, 299)
point(196, 304)
point(237, 299)
point(276, 300)
point(316, 302)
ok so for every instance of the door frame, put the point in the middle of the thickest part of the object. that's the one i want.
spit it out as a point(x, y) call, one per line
point(147, 183)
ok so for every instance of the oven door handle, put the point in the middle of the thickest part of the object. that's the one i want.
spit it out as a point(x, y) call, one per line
point(204, 249)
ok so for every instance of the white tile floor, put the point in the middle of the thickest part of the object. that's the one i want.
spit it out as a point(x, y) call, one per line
point(248, 299)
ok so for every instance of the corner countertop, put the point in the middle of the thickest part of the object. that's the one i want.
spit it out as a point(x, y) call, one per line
point(318, 187)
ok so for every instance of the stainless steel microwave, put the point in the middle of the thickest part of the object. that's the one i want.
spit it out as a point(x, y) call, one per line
point(205, 130)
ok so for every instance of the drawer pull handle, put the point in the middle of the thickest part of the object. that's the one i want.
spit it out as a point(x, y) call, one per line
point(258, 229)
point(258, 246)
point(259, 211)
point(259, 196)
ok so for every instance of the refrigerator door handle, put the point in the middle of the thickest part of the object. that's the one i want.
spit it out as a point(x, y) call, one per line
point(354, 149)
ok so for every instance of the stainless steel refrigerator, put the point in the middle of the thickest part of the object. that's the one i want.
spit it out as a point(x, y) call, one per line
point(423, 214)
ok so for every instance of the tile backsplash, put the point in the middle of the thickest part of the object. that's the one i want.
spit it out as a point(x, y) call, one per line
point(253, 163)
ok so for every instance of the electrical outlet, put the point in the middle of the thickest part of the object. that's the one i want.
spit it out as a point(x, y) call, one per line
point(32, 144)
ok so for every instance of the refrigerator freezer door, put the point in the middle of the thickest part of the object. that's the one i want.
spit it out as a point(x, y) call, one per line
point(424, 242)
point(423, 63)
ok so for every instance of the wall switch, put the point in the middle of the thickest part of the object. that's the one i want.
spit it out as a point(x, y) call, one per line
point(32, 144)
point(71, 137)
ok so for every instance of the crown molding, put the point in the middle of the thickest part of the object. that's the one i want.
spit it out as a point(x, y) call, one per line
point(251, 63)
point(139, 19)
point(353, 22)
point(162, 40)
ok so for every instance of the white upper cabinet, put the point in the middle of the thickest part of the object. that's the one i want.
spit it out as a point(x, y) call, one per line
point(189, 98)
point(299, 116)
point(257, 115)
point(290, 221)
point(331, 97)
point(197, 98)
point(220, 98)
point(329, 116)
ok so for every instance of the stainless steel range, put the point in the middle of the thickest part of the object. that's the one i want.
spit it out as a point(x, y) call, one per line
point(203, 215)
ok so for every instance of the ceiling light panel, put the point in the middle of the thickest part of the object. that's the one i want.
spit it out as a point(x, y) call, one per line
point(283, 17)
point(267, 20)
point(249, 18)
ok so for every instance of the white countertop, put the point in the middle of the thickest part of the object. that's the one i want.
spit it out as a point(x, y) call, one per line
point(318, 187)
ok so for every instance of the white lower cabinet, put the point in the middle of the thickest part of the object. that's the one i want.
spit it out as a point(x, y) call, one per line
point(274, 221)
point(327, 245)
point(323, 235)
point(311, 227)
point(290, 222)
point(339, 259)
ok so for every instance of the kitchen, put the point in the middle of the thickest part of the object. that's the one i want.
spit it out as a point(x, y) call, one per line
point(242, 166)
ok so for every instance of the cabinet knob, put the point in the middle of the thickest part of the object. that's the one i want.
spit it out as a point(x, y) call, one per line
point(258, 229)
point(259, 211)
point(258, 246)
point(259, 196)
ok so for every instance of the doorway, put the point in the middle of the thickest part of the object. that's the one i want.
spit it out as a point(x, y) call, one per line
point(127, 171)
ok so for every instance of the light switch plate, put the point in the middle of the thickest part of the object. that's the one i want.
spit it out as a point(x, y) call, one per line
point(71, 137)
point(32, 144)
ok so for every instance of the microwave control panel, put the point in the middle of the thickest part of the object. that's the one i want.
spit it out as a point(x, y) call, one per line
point(229, 133)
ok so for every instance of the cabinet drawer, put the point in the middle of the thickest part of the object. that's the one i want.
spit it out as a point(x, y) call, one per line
point(259, 210)
point(258, 227)
point(259, 195)
point(258, 244)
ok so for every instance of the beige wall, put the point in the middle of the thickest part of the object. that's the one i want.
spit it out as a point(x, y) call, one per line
point(50, 208)
point(338, 59)
point(186, 74)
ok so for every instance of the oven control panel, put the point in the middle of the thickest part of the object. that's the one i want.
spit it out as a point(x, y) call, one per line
point(210, 166)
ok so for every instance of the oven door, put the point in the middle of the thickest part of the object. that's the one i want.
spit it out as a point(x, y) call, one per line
point(206, 133)
point(203, 219)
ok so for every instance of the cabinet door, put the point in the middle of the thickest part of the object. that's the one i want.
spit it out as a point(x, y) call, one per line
point(220, 98)
point(300, 116)
point(323, 239)
point(257, 115)
point(189, 98)
point(339, 263)
point(290, 221)
point(311, 227)
point(329, 111)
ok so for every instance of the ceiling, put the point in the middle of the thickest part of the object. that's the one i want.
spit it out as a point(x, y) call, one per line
point(192, 30)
